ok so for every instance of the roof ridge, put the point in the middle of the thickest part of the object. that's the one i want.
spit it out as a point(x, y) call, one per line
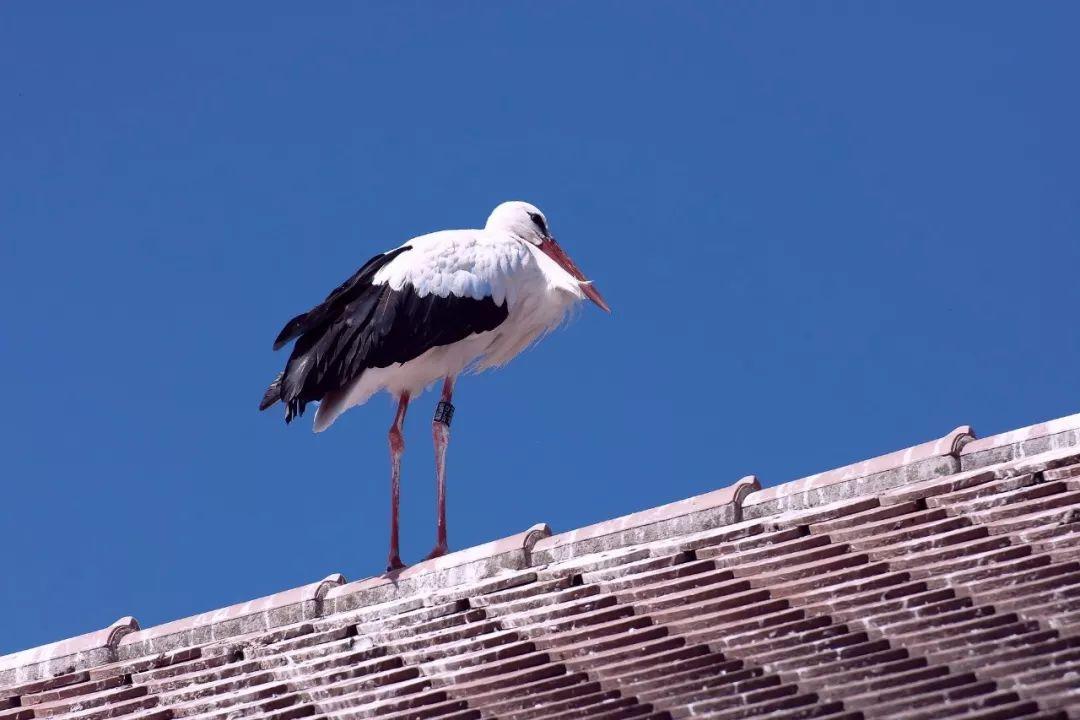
point(1038, 438)
point(930, 459)
point(523, 553)
point(96, 646)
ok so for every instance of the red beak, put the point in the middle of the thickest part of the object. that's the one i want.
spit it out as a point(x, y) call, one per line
point(556, 253)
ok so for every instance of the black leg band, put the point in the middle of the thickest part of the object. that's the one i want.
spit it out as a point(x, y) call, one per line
point(444, 413)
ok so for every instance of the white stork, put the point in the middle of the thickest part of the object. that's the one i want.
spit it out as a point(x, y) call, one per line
point(426, 311)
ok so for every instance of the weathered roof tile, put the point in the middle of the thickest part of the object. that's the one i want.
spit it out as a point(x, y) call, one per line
point(942, 580)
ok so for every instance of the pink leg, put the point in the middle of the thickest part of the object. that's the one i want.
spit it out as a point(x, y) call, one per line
point(397, 447)
point(440, 430)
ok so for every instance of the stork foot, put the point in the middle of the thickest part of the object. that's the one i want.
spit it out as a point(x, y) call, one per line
point(438, 551)
point(394, 563)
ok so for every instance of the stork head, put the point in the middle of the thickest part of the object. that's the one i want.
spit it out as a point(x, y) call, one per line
point(526, 223)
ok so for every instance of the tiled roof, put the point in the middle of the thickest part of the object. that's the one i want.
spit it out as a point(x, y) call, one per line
point(938, 581)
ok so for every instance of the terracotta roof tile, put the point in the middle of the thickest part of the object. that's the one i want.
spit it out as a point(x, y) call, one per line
point(938, 581)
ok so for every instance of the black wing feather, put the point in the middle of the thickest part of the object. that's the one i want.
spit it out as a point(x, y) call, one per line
point(362, 326)
point(340, 296)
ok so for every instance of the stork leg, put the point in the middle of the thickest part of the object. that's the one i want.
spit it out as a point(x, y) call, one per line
point(440, 431)
point(397, 447)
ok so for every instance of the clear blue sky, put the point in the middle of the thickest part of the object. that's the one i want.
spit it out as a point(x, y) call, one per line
point(827, 230)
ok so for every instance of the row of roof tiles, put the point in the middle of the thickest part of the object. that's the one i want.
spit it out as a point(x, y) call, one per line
point(937, 580)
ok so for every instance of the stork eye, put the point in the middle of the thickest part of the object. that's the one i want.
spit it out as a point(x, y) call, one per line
point(538, 221)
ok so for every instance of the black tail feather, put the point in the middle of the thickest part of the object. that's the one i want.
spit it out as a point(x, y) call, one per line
point(273, 393)
point(317, 365)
